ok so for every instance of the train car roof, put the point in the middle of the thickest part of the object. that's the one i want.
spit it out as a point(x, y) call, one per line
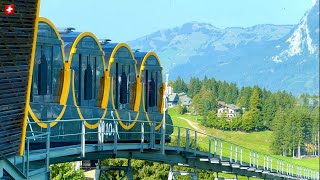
point(147, 59)
point(118, 51)
point(70, 37)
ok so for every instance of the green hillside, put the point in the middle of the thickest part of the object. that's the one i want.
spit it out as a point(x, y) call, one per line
point(258, 141)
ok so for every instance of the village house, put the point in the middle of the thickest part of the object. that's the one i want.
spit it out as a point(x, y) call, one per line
point(230, 110)
point(185, 100)
point(173, 100)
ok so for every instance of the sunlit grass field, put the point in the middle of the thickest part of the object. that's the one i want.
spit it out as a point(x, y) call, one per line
point(258, 141)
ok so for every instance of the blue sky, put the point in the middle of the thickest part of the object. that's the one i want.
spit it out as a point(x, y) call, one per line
point(124, 20)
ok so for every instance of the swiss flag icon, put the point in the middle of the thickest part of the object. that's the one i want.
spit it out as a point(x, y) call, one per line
point(9, 9)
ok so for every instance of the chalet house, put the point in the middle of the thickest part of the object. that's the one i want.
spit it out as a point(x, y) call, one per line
point(173, 100)
point(230, 110)
point(185, 100)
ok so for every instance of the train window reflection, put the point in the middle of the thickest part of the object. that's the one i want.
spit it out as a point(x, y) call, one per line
point(123, 86)
point(152, 83)
point(88, 73)
point(47, 64)
point(88, 78)
point(42, 73)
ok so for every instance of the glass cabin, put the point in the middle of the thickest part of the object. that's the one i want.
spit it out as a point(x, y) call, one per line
point(87, 65)
point(150, 71)
point(48, 65)
point(121, 65)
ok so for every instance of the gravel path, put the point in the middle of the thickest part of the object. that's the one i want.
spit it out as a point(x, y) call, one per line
point(192, 124)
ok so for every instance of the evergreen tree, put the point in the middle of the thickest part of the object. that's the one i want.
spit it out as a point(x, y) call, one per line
point(235, 123)
point(243, 99)
point(181, 109)
point(222, 91)
point(278, 124)
point(206, 83)
point(197, 105)
point(212, 120)
point(315, 129)
point(255, 110)
point(255, 101)
point(179, 86)
point(247, 123)
point(194, 87)
point(268, 110)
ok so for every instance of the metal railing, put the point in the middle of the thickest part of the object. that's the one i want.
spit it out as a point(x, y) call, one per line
point(204, 146)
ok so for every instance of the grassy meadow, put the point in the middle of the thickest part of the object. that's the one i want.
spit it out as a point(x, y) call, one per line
point(258, 141)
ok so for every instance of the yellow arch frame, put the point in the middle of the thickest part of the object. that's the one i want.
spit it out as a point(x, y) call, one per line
point(141, 69)
point(111, 61)
point(105, 98)
point(64, 95)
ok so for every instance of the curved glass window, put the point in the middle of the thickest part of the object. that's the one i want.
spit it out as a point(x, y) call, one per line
point(152, 80)
point(88, 66)
point(46, 31)
point(124, 79)
point(48, 64)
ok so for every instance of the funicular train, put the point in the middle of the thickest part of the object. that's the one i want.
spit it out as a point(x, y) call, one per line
point(77, 77)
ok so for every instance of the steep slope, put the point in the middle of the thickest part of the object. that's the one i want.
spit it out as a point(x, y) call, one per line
point(304, 40)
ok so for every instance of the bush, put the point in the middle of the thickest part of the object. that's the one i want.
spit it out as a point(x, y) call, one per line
point(66, 171)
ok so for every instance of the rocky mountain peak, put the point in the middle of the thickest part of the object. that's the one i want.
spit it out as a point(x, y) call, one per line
point(304, 38)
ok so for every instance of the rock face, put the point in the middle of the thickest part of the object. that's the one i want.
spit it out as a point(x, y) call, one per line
point(303, 42)
point(277, 57)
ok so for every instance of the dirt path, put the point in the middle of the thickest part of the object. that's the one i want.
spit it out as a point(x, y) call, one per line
point(192, 124)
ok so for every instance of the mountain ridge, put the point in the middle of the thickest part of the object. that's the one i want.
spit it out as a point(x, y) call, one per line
point(264, 54)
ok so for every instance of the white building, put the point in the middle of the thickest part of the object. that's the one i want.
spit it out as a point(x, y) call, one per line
point(229, 109)
point(169, 90)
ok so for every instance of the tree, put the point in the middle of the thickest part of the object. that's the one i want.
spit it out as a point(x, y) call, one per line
point(243, 99)
point(181, 109)
point(222, 90)
point(252, 118)
point(269, 110)
point(247, 123)
point(255, 101)
point(212, 120)
point(194, 87)
point(206, 83)
point(315, 129)
point(235, 123)
point(255, 109)
point(284, 100)
point(66, 171)
point(179, 86)
point(278, 124)
point(224, 125)
point(197, 105)
point(203, 102)
point(304, 133)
